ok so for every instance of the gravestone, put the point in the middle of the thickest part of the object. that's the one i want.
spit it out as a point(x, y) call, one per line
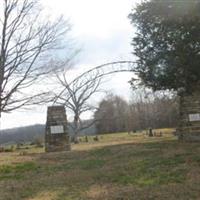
point(56, 136)
point(189, 124)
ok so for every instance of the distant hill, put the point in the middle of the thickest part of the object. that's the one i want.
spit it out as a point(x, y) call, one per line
point(29, 133)
point(22, 134)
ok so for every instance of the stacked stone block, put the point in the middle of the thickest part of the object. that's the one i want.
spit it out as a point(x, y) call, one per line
point(189, 124)
point(56, 136)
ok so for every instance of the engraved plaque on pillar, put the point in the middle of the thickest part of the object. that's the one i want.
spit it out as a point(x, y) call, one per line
point(56, 136)
point(194, 117)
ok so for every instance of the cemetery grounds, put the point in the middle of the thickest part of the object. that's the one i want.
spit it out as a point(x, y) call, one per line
point(117, 167)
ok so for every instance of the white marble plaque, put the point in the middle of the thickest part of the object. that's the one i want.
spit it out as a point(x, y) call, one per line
point(57, 129)
point(194, 117)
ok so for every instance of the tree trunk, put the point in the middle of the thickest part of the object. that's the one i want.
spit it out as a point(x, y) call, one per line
point(76, 130)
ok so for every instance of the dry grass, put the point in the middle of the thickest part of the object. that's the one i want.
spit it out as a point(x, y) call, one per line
point(118, 167)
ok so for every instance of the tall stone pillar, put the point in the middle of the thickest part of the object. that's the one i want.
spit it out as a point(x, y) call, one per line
point(56, 136)
point(189, 123)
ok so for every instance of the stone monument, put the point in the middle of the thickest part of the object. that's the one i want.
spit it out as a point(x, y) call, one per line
point(56, 136)
point(189, 124)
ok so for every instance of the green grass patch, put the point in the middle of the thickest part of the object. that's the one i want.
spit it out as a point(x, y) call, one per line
point(16, 171)
point(17, 168)
point(161, 144)
point(151, 178)
point(89, 164)
point(101, 152)
point(153, 171)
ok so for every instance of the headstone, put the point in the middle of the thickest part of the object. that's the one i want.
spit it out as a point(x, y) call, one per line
point(189, 124)
point(150, 132)
point(56, 136)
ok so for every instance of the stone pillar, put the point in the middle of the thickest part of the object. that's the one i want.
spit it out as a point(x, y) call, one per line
point(56, 136)
point(189, 122)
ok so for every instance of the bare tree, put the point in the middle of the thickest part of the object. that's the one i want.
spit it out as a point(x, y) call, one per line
point(153, 109)
point(25, 40)
point(76, 96)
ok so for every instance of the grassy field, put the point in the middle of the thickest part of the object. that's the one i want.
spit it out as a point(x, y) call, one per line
point(117, 167)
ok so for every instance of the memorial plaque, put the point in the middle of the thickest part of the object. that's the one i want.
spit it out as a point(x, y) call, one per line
point(57, 129)
point(194, 117)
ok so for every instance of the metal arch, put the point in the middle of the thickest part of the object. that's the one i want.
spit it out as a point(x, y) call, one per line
point(100, 71)
point(117, 66)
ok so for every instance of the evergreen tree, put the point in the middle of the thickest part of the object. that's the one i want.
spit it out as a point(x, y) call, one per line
point(167, 43)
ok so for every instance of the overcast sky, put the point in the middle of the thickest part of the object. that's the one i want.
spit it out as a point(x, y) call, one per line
point(103, 32)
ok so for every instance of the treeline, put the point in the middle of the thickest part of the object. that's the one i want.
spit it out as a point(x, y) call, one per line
point(145, 110)
point(33, 132)
point(114, 114)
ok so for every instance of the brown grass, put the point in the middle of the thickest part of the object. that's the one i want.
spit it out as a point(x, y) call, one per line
point(118, 167)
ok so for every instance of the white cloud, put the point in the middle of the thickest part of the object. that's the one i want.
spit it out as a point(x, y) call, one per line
point(94, 17)
point(102, 28)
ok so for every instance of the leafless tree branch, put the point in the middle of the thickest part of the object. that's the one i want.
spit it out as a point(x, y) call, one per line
point(25, 38)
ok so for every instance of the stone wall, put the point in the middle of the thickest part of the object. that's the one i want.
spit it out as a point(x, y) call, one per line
point(56, 136)
point(189, 124)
